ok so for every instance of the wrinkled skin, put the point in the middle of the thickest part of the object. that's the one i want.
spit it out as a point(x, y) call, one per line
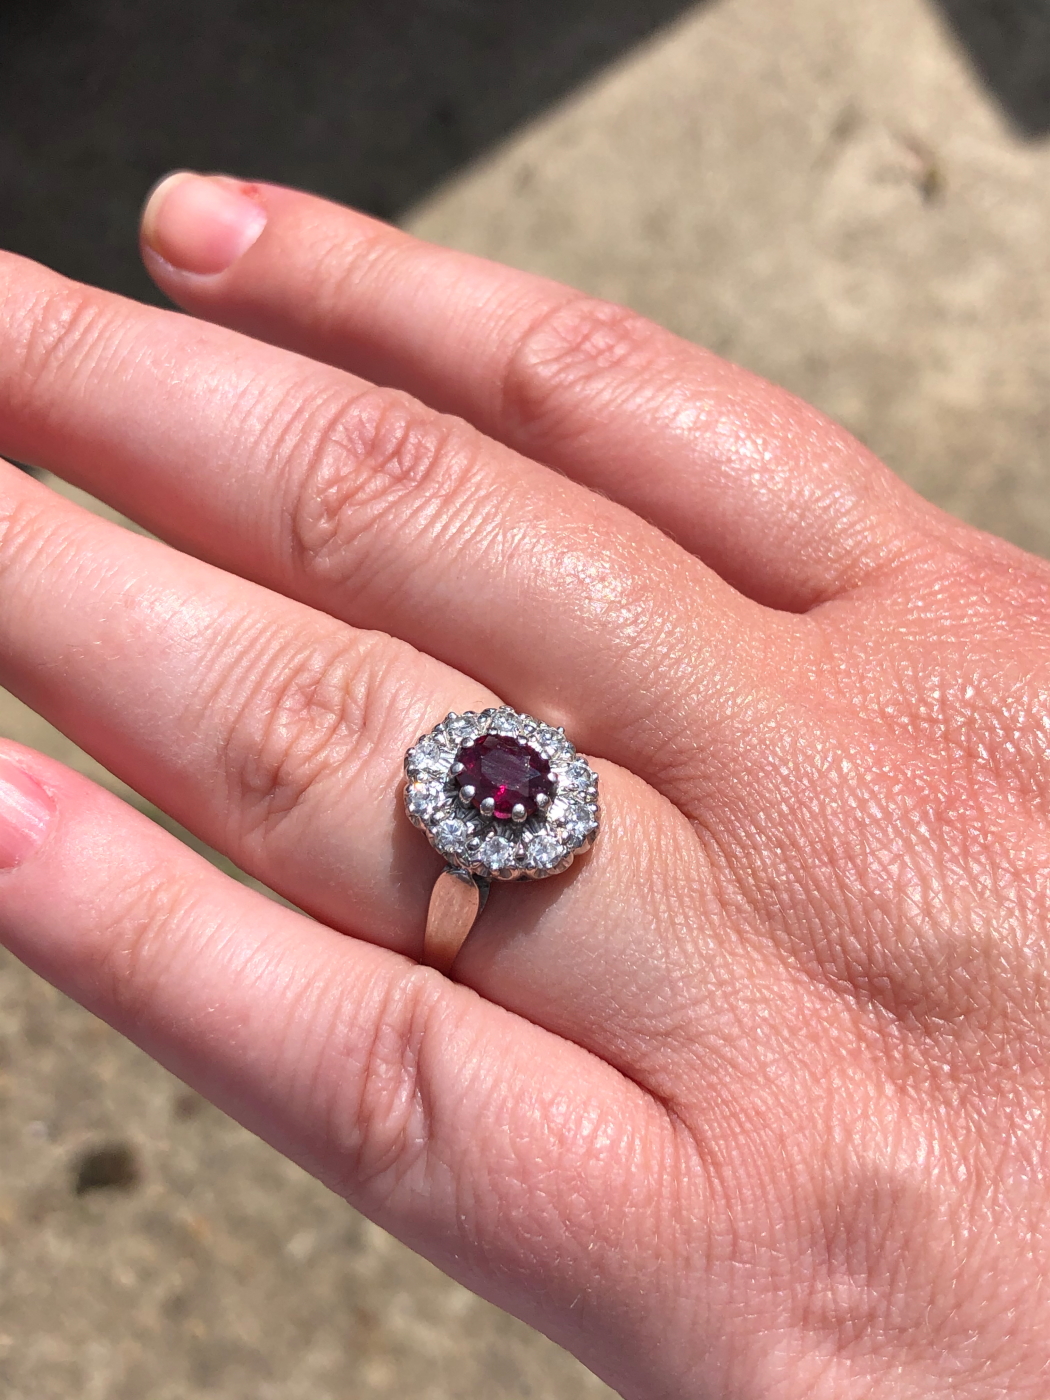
point(749, 1104)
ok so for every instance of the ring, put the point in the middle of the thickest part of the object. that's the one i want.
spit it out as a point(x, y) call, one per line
point(501, 796)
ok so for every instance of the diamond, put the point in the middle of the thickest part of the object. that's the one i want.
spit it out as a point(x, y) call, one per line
point(496, 852)
point(451, 836)
point(544, 851)
point(505, 770)
point(429, 757)
point(581, 776)
point(505, 722)
point(422, 799)
point(460, 727)
point(575, 819)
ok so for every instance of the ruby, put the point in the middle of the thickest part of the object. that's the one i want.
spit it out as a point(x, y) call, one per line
point(507, 770)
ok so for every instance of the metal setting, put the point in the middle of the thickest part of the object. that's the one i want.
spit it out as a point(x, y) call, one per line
point(455, 902)
point(480, 846)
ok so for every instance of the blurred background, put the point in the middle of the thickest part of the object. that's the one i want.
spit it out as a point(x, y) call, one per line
point(851, 199)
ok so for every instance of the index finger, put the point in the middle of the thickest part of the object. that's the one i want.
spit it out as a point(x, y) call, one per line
point(777, 499)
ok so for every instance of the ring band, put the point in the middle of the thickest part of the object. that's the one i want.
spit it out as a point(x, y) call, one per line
point(502, 796)
point(455, 902)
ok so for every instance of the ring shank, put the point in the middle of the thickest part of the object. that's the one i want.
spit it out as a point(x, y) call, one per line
point(457, 900)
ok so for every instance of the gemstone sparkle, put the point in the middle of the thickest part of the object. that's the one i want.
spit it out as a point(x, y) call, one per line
point(505, 769)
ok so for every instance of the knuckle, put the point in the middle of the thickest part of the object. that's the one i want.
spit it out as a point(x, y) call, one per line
point(20, 532)
point(55, 333)
point(36, 541)
point(343, 262)
point(379, 1108)
point(135, 940)
point(302, 714)
point(574, 345)
point(381, 452)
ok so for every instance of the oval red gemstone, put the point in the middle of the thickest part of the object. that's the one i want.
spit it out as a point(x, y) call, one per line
point(505, 769)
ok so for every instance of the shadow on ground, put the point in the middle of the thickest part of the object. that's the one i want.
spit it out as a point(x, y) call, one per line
point(1009, 44)
point(372, 104)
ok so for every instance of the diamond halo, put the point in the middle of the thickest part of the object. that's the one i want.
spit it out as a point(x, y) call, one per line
point(542, 837)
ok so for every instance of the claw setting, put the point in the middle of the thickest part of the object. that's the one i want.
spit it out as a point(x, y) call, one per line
point(502, 795)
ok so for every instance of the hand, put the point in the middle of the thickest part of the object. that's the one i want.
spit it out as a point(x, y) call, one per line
point(751, 1103)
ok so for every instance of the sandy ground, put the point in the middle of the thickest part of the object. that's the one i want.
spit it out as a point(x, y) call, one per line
point(825, 192)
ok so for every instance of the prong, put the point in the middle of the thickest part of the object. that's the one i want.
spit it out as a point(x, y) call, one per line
point(474, 844)
point(518, 812)
point(466, 794)
point(451, 715)
point(488, 806)
point(457, 768)
point(542, 801)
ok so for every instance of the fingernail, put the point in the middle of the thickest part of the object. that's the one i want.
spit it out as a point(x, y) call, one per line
point(201, 223)
point(25, 814)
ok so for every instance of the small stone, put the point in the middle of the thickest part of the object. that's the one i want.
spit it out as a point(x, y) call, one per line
point(429, 758)
point(462, 728)
point(544, 852)
point(422, 799)
point(505, 722)
point(451, 836)
point(496, 852)
point(580, 775)
point(573, 818)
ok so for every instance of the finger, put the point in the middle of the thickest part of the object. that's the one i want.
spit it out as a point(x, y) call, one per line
point(366, 505)
point(278, 736)
point(520, 1164)
point(526, 1168)
point(781, 502)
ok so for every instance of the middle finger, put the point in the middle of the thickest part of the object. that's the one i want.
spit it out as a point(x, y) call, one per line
point(363, 503)
point(277, 734)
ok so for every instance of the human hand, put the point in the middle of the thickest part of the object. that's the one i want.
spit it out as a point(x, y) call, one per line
point(750, 1103)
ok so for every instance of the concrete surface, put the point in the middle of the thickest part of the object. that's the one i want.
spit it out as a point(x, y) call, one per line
point(825, 193)
point(194, 1262)
point(828, 193)
point(369, 103)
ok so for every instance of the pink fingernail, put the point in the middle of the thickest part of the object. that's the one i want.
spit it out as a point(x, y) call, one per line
point(201, 223)
point(25, 814)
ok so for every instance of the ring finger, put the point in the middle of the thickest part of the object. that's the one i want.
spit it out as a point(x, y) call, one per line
point(277, 734)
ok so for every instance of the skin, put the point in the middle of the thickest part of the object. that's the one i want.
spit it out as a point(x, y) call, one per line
point(750, 1104)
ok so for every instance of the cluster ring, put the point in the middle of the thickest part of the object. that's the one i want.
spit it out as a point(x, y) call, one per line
point(501, 796)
